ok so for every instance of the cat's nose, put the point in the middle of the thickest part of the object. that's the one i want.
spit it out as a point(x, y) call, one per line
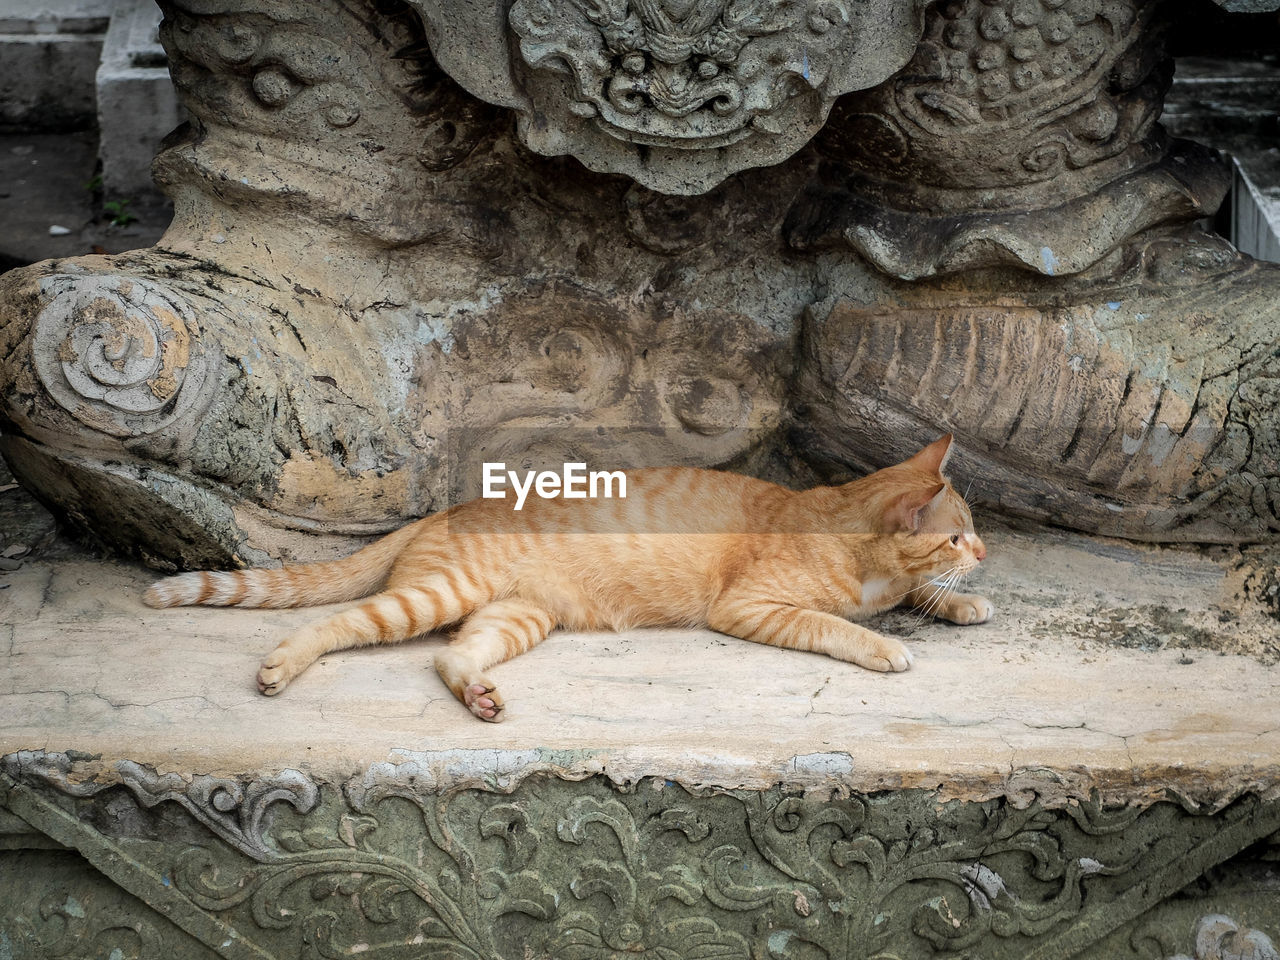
point(980, 550)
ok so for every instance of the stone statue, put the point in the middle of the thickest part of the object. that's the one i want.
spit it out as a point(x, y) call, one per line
point(746, 230)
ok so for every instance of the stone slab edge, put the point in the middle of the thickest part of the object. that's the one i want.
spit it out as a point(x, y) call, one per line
point(1206, 788)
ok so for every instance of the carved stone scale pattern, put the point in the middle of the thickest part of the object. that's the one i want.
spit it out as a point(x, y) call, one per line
point(389, 864)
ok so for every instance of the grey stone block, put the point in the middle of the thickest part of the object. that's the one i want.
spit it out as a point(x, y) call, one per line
point(1248, 6)
point(137, 105)
point(46, 81)
point(55, 16)
point(1230, 104)
point(1255, 206)
point(49, 51)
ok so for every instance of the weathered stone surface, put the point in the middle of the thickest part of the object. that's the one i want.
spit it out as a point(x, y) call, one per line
point(367, 260)
point(56, 905)
point(337, 381)
point(1021, 133)
point(1080, 672)
point(1186, 184)
point(676, 95)
point(143, 379)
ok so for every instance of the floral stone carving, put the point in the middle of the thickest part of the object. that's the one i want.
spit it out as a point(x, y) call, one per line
point(388, 865)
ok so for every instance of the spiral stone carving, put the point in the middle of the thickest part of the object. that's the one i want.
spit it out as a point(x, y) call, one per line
point(121, 355)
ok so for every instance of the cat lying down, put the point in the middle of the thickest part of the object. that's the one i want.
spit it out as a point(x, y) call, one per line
point(742, 556)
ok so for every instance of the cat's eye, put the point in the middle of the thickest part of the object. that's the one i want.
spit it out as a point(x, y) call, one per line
point(955, 538)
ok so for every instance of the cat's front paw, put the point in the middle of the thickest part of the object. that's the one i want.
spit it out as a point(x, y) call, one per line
point(276, 672)
point(967, 608)
point(484, 701)
point(886, 655)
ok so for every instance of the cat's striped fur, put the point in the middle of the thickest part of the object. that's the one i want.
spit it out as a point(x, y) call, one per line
point(686, 547)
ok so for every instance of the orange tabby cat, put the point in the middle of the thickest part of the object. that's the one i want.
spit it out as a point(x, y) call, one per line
point(750, 559)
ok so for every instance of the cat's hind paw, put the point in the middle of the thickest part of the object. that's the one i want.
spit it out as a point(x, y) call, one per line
point(484, 701)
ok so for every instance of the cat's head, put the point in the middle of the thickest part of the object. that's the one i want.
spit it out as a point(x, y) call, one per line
point(940, 557)
point(913, 496)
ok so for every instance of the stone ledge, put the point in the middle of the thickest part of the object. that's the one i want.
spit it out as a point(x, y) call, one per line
point(1106, 668)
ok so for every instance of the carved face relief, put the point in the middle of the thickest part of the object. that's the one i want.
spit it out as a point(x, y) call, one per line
point(681, 93)
point(664, 72)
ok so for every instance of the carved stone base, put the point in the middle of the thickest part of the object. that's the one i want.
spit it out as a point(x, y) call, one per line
point(1079, 776)
point(388, 864)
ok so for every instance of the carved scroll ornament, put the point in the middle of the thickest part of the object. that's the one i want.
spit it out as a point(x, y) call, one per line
point(121, 355)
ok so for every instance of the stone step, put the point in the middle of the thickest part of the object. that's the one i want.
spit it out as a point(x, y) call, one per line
point(137, 103)
point(1092, 774)
point(72, 65)
point(49, 52)
point(1105, 662)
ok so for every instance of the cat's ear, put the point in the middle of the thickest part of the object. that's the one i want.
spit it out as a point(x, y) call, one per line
point(905, 514)
point(933, 457)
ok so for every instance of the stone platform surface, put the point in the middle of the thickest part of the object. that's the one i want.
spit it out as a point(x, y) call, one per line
point(1126, 669)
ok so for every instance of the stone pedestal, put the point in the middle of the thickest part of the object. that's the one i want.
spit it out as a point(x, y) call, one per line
point(814, 234)
point(801, 236)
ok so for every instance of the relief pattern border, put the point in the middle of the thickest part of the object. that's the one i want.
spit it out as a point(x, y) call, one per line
point(389, 865)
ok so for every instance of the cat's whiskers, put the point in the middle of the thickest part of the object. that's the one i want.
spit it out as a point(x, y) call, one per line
point(936, 581)
point(906, 593)
point(940, 593)
point(935, 602)
point(947, 591)
point(939, 584)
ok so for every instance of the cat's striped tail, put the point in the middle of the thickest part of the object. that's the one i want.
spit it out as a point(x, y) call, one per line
point(301, 585)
